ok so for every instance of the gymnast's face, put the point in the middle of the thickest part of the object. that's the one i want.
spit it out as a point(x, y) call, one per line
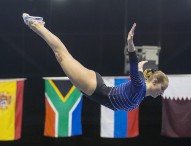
point(157, 89)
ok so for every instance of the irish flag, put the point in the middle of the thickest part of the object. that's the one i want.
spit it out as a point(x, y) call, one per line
point(63, 108)
point(11, 100)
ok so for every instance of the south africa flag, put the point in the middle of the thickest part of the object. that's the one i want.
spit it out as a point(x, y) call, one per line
point(63, 108)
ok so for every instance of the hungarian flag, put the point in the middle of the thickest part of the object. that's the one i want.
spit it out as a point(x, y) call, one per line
point(118, 124)
point(63, 108)
point(176, 107)
point(11, 103)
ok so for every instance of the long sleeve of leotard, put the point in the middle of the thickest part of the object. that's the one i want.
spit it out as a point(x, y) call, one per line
point(127, 96)
point(134, 73)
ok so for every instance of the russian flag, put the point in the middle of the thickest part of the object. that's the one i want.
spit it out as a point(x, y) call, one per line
point(118, 124)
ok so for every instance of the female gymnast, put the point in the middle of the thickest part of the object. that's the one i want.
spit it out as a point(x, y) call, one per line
point(126, 96)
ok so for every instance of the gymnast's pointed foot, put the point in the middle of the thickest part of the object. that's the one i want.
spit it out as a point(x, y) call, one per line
point(31, 19)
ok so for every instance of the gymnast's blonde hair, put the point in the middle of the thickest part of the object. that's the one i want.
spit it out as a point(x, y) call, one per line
point(150, 74)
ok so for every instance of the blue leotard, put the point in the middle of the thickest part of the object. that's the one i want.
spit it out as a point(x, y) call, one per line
point(126, 96)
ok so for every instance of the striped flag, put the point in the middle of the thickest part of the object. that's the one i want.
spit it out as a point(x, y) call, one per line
point(176, 107)
point(63, 108)
point(118, 124)
point(11, 103)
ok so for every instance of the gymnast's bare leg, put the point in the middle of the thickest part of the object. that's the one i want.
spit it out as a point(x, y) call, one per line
point(83, 78)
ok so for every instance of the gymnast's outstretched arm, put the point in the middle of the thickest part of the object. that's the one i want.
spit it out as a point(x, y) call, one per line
point(131, 47)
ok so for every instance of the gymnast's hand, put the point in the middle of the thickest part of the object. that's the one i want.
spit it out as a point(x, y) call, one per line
point(140, 65)
point(131, 34)
point(131, 47)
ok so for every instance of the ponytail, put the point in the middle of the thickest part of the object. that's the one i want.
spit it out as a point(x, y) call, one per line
point(149, 74)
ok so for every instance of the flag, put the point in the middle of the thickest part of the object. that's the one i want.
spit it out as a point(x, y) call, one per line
point(176, 107)
point(63, 108)
point(11, 103)
point(118, 124)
